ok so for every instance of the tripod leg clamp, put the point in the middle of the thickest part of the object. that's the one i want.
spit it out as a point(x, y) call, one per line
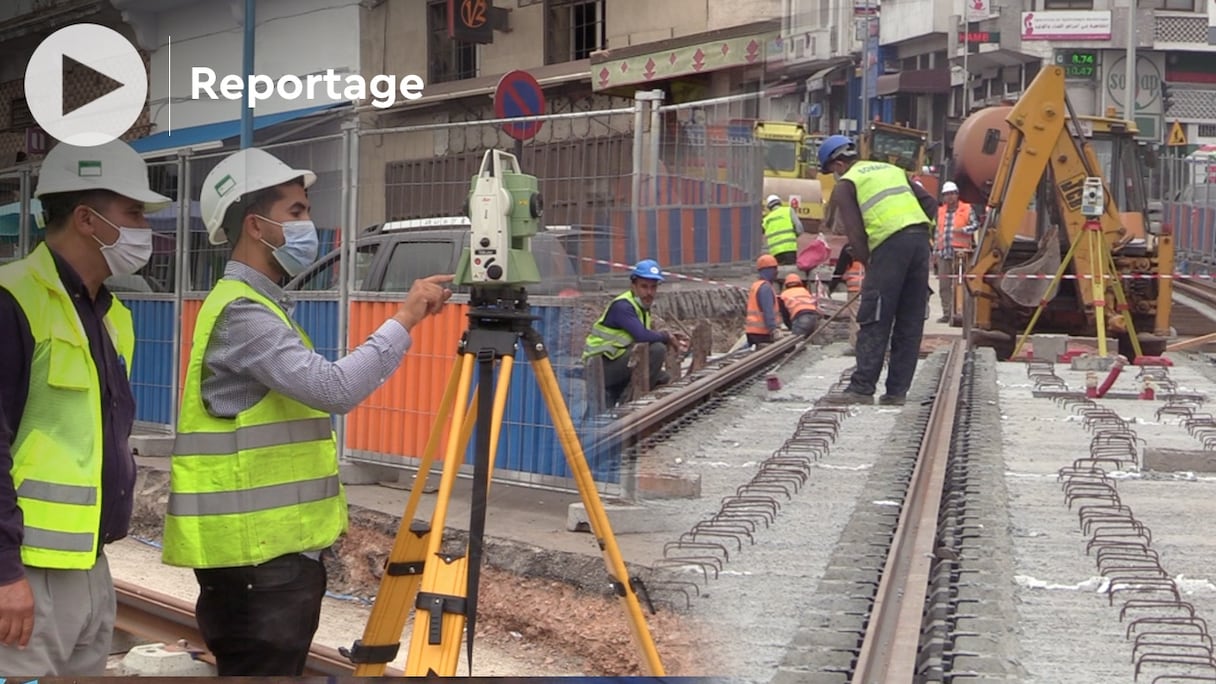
point(436, 605)
point(360, 653)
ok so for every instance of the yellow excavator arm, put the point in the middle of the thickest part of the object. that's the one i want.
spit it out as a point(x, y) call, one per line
point(1040, 141)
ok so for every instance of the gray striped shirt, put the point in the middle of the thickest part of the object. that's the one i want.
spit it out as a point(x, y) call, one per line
point(251, 352)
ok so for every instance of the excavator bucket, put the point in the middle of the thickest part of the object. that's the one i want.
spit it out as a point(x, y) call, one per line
point(1029, 291)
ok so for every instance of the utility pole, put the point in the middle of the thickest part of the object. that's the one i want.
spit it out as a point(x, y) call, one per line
point(865, 73)
point(1129, 97)
point(246, 108)
point(966, 73)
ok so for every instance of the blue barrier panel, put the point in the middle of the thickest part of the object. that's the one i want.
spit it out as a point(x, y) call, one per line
point(319, 318)
point(152, 371)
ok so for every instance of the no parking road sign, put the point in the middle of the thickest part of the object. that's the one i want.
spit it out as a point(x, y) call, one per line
point(518, 94)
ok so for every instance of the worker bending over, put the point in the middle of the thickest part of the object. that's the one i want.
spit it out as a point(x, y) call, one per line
point(799, 306)
point(625, 322)
point(886, 220)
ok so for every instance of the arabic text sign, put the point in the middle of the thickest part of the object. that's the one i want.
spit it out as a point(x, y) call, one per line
point(1066, 25)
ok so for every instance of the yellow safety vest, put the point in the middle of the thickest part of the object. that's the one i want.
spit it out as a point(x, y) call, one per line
point(887, 202)
point(613, 342)
point(779, 231)
point(249, 489)
point(57, 451)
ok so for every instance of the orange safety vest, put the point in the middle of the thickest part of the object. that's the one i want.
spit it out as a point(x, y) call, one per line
point(854, 276)
point(798, 300)
point(755, 315)
point(959, 237)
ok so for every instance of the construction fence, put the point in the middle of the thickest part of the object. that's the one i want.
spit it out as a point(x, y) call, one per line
point(1188, 193)
point(678, 183)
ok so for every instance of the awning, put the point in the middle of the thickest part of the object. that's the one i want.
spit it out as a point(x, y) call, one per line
point(222, 130)
point(919, 82)
point(818, 80)
point(995, 59)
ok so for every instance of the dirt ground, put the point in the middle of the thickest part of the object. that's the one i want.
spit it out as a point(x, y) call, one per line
point(525, 625)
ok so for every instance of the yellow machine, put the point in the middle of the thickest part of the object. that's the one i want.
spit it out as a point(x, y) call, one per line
point(1042, 156)
point(789, 169)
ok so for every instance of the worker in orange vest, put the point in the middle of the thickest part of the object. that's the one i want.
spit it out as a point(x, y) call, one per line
point(956, 226)
point(761, 323)
point(799, 306)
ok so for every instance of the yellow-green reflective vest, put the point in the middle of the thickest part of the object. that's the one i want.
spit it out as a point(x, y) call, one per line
point(613, 342)
point(779, 231)
point(249, 489)
point(57, 451)
point(885, 197)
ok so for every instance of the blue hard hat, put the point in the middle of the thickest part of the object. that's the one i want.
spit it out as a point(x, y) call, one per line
point(648, 269)
point(831, 146)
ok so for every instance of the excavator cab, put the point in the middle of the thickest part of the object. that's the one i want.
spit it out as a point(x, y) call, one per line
point(894, 144)
point(1124, 165)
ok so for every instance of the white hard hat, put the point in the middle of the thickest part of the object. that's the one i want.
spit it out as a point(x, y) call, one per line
point(240, 174)
point(113, 166)
point(768, 202)
point(949, 186)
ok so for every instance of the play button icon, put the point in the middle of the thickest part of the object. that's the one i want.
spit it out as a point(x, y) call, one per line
point(108, 85)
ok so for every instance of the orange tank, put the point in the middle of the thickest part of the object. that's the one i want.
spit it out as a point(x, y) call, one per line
point(978, 147)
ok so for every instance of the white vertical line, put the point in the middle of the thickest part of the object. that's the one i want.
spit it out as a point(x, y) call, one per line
point(169, 95)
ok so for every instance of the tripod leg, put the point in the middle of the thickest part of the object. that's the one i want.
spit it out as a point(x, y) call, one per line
point(1051, 289)
point(1098, 279)
point(625, 587)
point(403, 569)
point(1121, 300)
point(443, 576)
point(447, 601)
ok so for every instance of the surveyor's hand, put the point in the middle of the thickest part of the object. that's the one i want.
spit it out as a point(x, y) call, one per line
point(16, 613)
point(426, 297)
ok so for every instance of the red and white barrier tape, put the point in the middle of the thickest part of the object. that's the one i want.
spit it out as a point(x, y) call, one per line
point(666, 274)
point(1084, 276)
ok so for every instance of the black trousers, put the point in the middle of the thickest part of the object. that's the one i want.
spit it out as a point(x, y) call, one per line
point(618, 375)
point(260, 620)
point(786, 258)
point(891, 310)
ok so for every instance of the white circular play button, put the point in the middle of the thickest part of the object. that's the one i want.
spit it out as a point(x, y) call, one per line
point(115, 75)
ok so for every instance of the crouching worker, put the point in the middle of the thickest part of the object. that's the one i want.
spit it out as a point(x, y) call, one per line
point(626, 322)
point(799, 307)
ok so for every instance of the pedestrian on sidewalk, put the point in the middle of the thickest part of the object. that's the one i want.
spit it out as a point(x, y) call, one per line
point(255, 496)
point(66, 411)
point(886, 219)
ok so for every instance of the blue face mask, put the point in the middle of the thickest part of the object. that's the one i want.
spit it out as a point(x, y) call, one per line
point(300, 244)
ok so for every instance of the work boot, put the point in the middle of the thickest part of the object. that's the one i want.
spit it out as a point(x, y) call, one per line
point(848, 397)
point(890, 400)
point(943, 319)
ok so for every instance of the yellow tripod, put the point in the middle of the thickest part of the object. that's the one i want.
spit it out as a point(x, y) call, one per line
point(1101, 261)
point(442, 585)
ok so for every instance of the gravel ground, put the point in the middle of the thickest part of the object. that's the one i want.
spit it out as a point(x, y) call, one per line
point(753, 610)
point(1068, 632)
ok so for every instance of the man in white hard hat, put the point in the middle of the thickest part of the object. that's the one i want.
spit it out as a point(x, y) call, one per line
point(956, 226)
point(66, 411)
point(255, 496)
point(781, 230)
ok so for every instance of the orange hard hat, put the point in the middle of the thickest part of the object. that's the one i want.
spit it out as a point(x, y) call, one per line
point(766, 261)
point(793, 280)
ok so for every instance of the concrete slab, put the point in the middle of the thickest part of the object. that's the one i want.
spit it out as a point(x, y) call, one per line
point(1180, 460)
point(159, 660)
point(152, 444)
point(624, 518)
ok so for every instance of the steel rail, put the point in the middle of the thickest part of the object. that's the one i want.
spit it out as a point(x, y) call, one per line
point(162, 618)
point(1203, 293)
point(638, 424)
point(892, 640)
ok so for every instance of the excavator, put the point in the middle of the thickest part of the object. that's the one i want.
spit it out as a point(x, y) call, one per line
point(1027, 164)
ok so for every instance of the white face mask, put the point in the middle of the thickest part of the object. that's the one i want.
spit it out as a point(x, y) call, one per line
point(130, 252)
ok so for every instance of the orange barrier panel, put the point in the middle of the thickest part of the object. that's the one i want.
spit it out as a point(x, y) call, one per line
point(396, 418)
point(190, 309)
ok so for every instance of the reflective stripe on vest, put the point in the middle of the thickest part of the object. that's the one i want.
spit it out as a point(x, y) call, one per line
point(779, 231)
point(754, 324)
point(612, 343)
point(248, 489)
point(853, 277)
point(887, 202)
point(959, 237)
point(57, 449)
point(798, 300)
